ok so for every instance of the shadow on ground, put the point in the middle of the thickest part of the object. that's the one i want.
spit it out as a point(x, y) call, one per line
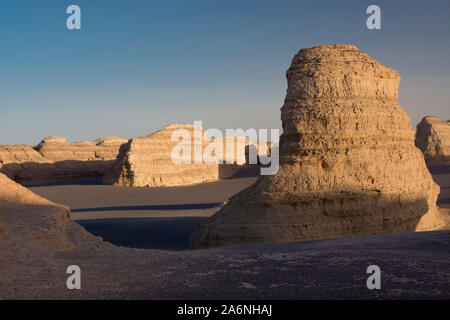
point(151, 207)
point(145, 233)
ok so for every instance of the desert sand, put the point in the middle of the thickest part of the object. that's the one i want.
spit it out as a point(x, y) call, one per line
point(138, 217)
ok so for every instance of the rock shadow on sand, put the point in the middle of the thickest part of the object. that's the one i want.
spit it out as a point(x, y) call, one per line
point(151, 207)
point(170, 233)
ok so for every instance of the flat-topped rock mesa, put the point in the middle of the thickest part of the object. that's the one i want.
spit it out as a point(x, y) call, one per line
point(348, 163)
point(54, 160)
point(58, 149)
point(433, 138)
point(31, 226)
point(147, 161)
point(14, 158)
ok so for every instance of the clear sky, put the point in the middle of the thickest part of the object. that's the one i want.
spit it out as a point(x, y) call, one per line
point(136, 66)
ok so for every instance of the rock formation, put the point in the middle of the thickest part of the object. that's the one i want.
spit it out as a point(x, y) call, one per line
point(54, 160)
point(245, 157)
point(147, 161)
point(30, 225)
point(38, 242)
point(58, 149)
point(348, 164)
point(433, 138)
point(14, 159)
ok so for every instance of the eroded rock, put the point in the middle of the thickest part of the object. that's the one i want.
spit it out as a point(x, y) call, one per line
point(348, 163)
point(54, 160)
point(30, 224)
point(58, 149)
point(15, 158)
point(433, 138)
point(147, 161)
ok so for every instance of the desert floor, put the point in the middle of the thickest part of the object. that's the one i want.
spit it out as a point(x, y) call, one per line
point(147, 218)
point(413, 265)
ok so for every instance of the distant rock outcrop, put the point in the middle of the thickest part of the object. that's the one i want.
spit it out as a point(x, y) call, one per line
point(148, 161)
point(54, 160)
point(15, 158)
point(58, 149)
point(433, 138)
point(348, 163)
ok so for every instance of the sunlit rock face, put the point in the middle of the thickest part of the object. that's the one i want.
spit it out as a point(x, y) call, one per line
point(33, 227)
point(58, 149)
point(433, 138)
point(348, 163)
point(54, 160)
point(16, 158)
point(147, 161)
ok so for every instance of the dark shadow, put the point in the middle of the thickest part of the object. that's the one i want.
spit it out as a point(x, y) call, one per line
point(145, 233)
point(229, 171)
point(151, 207)
point(436, 168)
point(247, 170)
point(443, 201)
point(337, 214)
point(62, 172)
point(74, 182)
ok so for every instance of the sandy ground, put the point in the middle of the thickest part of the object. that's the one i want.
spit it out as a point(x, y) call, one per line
point(92, 201)
point(146, 218)
point(413, 265)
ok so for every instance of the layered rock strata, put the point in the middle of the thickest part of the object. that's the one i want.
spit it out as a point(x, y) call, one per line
point(33, 226)
point(348, 163)
point(16, 158)
point(147, 161)
point(433, 138)
point(54, 160)
point(58, 149)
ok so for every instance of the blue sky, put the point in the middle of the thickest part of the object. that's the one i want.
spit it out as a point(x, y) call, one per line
point(136, 66)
